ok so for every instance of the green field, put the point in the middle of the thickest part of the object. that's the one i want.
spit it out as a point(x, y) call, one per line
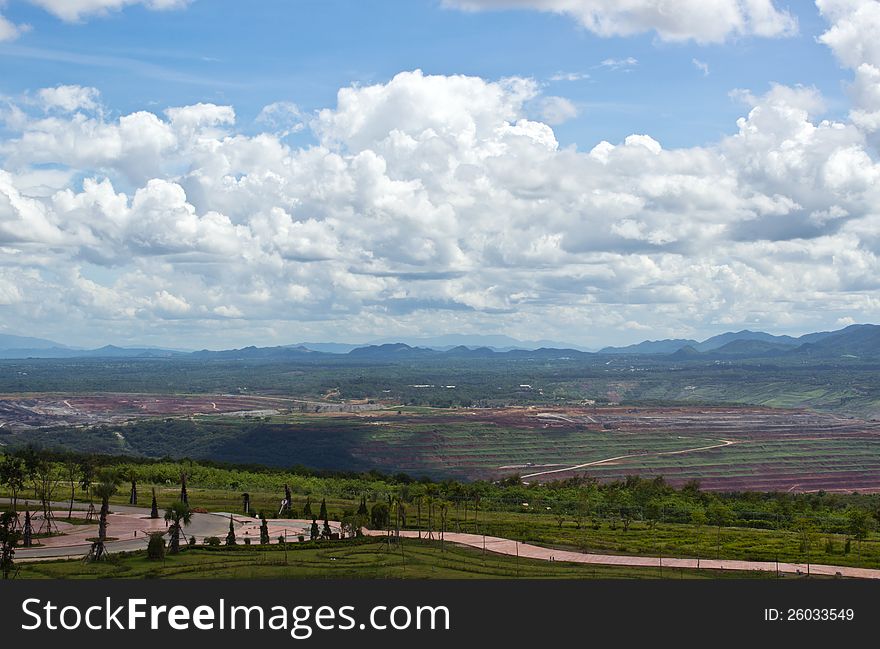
point(369, 559)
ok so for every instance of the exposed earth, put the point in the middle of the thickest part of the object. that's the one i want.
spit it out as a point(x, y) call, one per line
point(727, 448)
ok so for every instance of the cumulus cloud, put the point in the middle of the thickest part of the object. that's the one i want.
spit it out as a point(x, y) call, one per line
point(854, 37)
point(703, 21)
point(70, 98)
point(430, 203)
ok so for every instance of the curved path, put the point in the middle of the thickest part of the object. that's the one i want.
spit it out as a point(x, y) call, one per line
point(129, 524)
point(128, 520)
point(515, 548)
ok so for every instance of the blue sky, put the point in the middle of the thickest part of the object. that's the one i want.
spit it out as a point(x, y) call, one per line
point(215, 173)
point(252, 54)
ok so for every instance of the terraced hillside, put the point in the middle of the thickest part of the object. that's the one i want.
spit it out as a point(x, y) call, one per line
point(725, 448)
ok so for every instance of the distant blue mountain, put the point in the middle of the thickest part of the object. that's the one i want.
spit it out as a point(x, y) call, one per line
point(669, 346)
point(859, 341)
point(495, 342)
point(724, 341)
point(8, 341)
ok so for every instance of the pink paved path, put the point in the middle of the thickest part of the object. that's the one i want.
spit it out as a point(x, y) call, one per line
point(131, 525)
point(119, 526)
point(508, 547)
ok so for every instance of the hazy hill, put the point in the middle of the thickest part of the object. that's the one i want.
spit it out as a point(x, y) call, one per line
point(716, 342)
point(862, 341)
point(752, 348)
point(668, 346)
point(257, 353)
point(8, 341)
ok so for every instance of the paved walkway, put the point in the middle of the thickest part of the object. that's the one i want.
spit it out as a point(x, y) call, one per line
point(515, 548)
point(130, 524)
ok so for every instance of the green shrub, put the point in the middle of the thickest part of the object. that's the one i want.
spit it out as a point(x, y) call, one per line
point(212, 541)
point(156, 547)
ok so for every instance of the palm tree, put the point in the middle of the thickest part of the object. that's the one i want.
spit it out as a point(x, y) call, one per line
point(108, 484)
point(71, 467)
point(179, 515)
point(105, 489)
point(444, 509)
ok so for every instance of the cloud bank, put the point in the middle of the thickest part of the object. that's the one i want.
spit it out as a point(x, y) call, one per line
point(430, 204)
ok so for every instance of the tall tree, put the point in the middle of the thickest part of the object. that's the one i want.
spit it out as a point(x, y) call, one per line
point(8, 539)
point(179, 515)
point(87, 476)
point(154, 508)
point(28, 534)
point(288, 499)
point(230, 537)
point(133, 494)
point(71, 469)
point(323, 513)
point(12, 475)
point(109, 481)
point(858, 526)
point(264, 530)
point(46, 479)
point(719, 515)
point(184, 496)
point(31, 458)
point(379, 516)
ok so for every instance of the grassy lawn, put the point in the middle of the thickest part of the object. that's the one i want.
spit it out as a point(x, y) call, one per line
point(603, 536)
point(366, 559)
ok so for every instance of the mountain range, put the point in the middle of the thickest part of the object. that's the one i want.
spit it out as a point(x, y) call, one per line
point(854, 341)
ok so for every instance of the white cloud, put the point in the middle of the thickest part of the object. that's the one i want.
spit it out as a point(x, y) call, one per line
point(854, 37)
point(75, 10)
point(569, 76)
point(702, 66)
point(282, 117)
point(556, 110)
point(620, 64)
point(703, 21)
point(9, 31)
point(431, 202)
point(70, 98)
point(191, 119)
